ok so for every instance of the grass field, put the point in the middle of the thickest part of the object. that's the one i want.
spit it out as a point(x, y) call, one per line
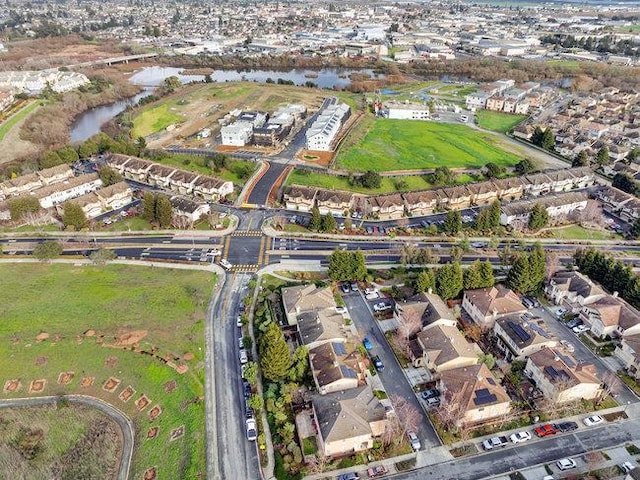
point(155, 119)
point(99, 320)
point(384, 145)
point(8, 125)
point(61, 439)
point(498, 121)
point(576, 232)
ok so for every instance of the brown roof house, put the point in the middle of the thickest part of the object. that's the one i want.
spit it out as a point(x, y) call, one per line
point(20, 185)
point(459, 197)
point(483, 192)
point(427, 308)
point(561, 378)
point(572, 290)
point(486, 305)
point(387, 207)
point(611, 315)
point(299, 198)
point(348, 421)
point(628, 352)
point(336, 366)
point(334, 202)
point(519, 336)
point(510, 188)
point(321, 326)
point(305, 298)
point(421, 203)
point(56, 174)
point(443, 347)
point(475, 394)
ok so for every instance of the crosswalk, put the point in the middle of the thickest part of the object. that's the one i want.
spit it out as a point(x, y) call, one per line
point(247, 233)
point(245, 268)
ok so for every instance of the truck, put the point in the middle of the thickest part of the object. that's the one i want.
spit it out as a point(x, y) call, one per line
point(495, 442)
point(224, 263)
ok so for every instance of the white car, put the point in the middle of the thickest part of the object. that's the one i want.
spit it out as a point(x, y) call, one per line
point(239, 321)
point(593, 420)
point(580, 329)
point(372, 295)
point(560, 312)
point(520, 437)
point(244, 358)
point(252, 433)
point(566, 464)
point(214, 253)
point(381, 307)
point(414, 441)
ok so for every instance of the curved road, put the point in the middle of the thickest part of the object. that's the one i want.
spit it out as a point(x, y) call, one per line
point(116, 415)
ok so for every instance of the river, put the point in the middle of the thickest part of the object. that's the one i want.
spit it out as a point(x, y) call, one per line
point(89, 123)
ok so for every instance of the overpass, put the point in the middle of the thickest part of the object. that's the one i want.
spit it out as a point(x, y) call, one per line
point(114, 60)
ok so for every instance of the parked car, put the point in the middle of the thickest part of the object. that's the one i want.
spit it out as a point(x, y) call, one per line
point(246, 387)
point(341, 309)
point(433, 402)
point(239, 321)
point(432, 392)
point(546, 430)
point(574, 322)
point(252, 433)
point(580, 329)
point(241, 342)
point(527, 302)
point(354, 286)
point(566, 426)
point(520, 437)
point(593, 420)
point(566, 464)
point(345, 288)
point(243, 356)
point(626, 467)
point(372, 295)
point(534, 301)
point(414, 441)
point(378, 471)
point(560, 312)
point(378, 363)
point(495, 442)
point(367, 343)
point(381, 307)
point(349, 476)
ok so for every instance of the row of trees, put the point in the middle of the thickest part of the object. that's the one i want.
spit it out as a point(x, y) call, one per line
point(582, 158)
point(156, 208)
point(612, 274)
point(318, 223)
point(345, 265)
point(450, 279)
point(527, 271)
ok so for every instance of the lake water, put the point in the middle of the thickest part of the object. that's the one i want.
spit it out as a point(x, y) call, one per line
point(89, 123)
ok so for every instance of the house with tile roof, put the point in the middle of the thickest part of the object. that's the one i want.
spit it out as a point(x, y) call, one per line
point(306, 298)
point(572, 290)
point(337, 366)
point(628, 352)
point(486, 305)
point(426, 309)
point(610, 316)
point(518, 336)
point(300, 198)
point(443, 347)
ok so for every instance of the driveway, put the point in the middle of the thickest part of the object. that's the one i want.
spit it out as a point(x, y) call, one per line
point(392, 377)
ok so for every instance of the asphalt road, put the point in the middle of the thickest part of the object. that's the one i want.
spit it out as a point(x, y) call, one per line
point(392, 376)
point(260, 192)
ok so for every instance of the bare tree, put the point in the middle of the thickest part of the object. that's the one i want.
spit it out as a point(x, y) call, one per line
point(409, 325)
point(407, 418)
point(552, 264)
point(319, 463)
point(182, 222)
point(451, 411)
point(611, 385)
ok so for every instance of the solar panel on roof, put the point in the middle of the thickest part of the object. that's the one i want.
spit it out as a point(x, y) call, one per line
point(567, 360)
point(347, 372)
point(519, 331)
point(485, 399)
point(339, 348)
point(482, 392)
point(539, 331)
point(491, 381)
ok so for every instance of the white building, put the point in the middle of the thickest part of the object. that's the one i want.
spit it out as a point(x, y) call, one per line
point(237, 134)
point(57, 193)
point(406, 111)
point(516, 214)
point(326, 127)
point(34, 82)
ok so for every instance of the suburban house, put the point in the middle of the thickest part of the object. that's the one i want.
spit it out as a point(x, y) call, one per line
point(475, 393)
point(321, 326)
point(299, 198)
point(486, 305)
point(387, 207)
point(129, 167)
point(305, 298)
point(90, 203)
point(558, 206)
point(57, 193)
point(628, 352)
point(20, 185)
point(611, 316)
point(237, 134)
point(619, 203)
point(572, 290)
point(483, 193)
point(159, 175)
point(182, 181)
point(421, 203)
point(458, 197)
point(211, 188)
point(518, 336)
point(424, 309)
point(348, 421)
point(443, 347)
point(56, 174)
point(99, 201)
point(561, 378)
point(510, 188)
point(334, 202)
point(189, 210)
point(538, 184)
point(337, 366)
point(563, 180)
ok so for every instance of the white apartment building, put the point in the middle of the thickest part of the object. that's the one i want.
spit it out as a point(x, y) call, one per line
point(326, 127)
point(57, 193)
point(34, 82)
point(401, 111)
point(237, 134)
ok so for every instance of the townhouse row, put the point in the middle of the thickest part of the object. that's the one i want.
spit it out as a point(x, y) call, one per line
point(179, 181)
point(414, 204)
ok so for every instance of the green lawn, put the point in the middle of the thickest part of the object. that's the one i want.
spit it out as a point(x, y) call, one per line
point(576, 232)
point(384, 145)
point(15, 118)
point(498, 121)
point(166, 306)
point(195, 163)
point(154, 119)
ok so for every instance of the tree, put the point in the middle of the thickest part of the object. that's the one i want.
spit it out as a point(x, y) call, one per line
point(537, 262)
point(148, 207)
point(525, 166)
point(47, 250)
point(471, 277)
point(68, 155)
point(346, 265)
point(102, 256)
point(163, 211)
point(625, 182)
point(536, 137)
point(442, 176)
point(171, 84)
point(251, 373)
point(548, 140)
point(517, 278)
point(488, 359)
point(328, 223)
point(50, 159)
point(370, 179)
point(406, 418)
point(87, 149)
point(633, 155)
point(20, 206)
point(538, 218)
point(602, 157)
point(425, 281)
point(452, 222)
point(455, 253)
point(493, 170)
point(449, 280)
point(634, 231)
point(315, 222)
point(275, 357)
point(581, 159)
point(73, 216)
point(487, 278)
point(109, 176)
point(299, 364)
point(255, 402)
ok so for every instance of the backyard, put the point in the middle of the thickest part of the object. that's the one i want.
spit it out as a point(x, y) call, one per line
point(387, 145)
point(497, 121)
point(132, 336)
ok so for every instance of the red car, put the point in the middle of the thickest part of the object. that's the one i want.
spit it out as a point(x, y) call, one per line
point(546, 430)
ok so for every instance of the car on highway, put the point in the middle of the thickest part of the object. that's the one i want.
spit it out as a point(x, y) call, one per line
point(566, 426)
point(381, 307)
point(377, 363)
point(214, 252)
point(580, 329)
point(546, 430)
point(378, 471)
point(252, 433)
point(593, 420)
point(367, 343)
point(414, 441)
point(432, 392)
point(566, 464)
point(520, 437)
point(495, 442)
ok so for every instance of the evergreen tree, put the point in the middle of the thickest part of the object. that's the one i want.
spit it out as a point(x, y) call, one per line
point(471, 277)
point(518, 276)
point(449, 280)
point(358, 265)
point(525, 166)
point(73, 216)
point(87, 149)
point(452, 223)
point(275, 357)
point(625, 182)
point(538, 218)
point(163, 211)
point(20, 206)
point(537, 261)
point(109, 176)
point(634, 231)
point(493, 217)
point(581, 159)
point(47, 250)
point(328, 223)
point(536, 137)
point(315, 222)
point(148, 206)
point(487, 278)
point(548, 140)
point(426, 280)
point(602, 157)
